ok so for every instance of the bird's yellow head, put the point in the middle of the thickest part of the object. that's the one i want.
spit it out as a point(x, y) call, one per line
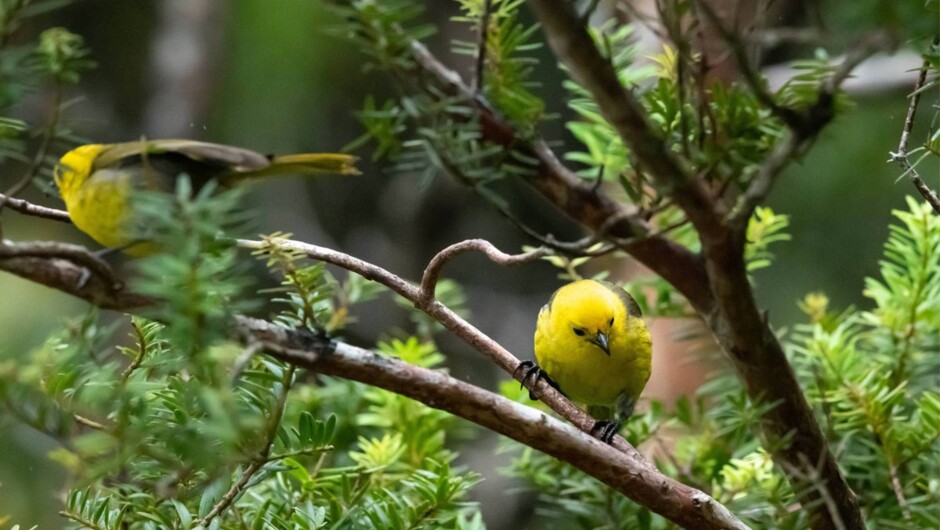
point(591, 312)
point(74, 168)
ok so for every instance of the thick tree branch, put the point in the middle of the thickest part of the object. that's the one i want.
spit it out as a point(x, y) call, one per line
point(573, 196)
point(635, 478)
point(790, 427)
point(62, 266)
point(620, 466)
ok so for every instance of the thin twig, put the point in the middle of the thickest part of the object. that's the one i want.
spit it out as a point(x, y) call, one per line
point(899, 491)
point(750, 73)
point(433, 270)
point(35, 210)
point(262, 458)
point(88, 422)
point(901, 155)
point(48, 135)
point(479, 70)
point(244, 358)
point(141, 351)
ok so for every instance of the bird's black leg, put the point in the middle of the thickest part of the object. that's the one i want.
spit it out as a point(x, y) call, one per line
point(532, 369)
point(606, 430)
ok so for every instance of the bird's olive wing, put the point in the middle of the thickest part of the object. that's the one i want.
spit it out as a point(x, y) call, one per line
point(234, 159)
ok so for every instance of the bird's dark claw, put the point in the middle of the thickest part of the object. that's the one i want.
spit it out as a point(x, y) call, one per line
point(531, 369)
point(606, 430)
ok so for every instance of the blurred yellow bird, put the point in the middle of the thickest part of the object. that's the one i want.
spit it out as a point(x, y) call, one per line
point(592, 343)
point(96, 180)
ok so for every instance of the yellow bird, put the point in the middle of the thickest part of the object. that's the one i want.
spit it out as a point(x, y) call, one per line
point(96, 180)
point(592, 343)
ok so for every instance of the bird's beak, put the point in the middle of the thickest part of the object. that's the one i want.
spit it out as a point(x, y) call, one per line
point(602, 341)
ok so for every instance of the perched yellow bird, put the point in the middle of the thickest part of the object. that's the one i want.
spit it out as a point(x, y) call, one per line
point(594, 347)
point(96, 180)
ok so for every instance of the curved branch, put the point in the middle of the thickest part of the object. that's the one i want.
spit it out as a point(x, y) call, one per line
point(433, 271)
point(635, 478)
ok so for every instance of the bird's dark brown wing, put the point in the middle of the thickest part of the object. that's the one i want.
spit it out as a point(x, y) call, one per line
point(216, 156)
point(167, 159)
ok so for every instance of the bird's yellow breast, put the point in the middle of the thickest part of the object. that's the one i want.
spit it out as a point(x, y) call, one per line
point(100, 207)
point(582, 369)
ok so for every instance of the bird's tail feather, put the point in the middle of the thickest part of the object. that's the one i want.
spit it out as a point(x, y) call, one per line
point(305, 164)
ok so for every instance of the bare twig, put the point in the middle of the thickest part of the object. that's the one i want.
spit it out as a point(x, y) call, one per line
point(35, 210)
point(858, 53)
point(433, 270)
point(482, 46)
point(748, 70)
point(765, 176)
point(901, 155)
point(899, 491)
point(633, 477)
point(88, 422)
point(233, 492)
point(243, 359)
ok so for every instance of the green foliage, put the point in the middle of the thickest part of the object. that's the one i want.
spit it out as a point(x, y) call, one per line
point(58, 57)
point(764, 229)
point(181, 427)
point(62, 55)
point(196, 273)
point(508, 61)
point(873, 376)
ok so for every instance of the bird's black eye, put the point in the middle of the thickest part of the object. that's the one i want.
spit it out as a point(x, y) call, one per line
point(578, 331)
point(611, 321)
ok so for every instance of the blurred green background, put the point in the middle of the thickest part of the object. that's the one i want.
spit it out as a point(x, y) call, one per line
point(271, 77)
